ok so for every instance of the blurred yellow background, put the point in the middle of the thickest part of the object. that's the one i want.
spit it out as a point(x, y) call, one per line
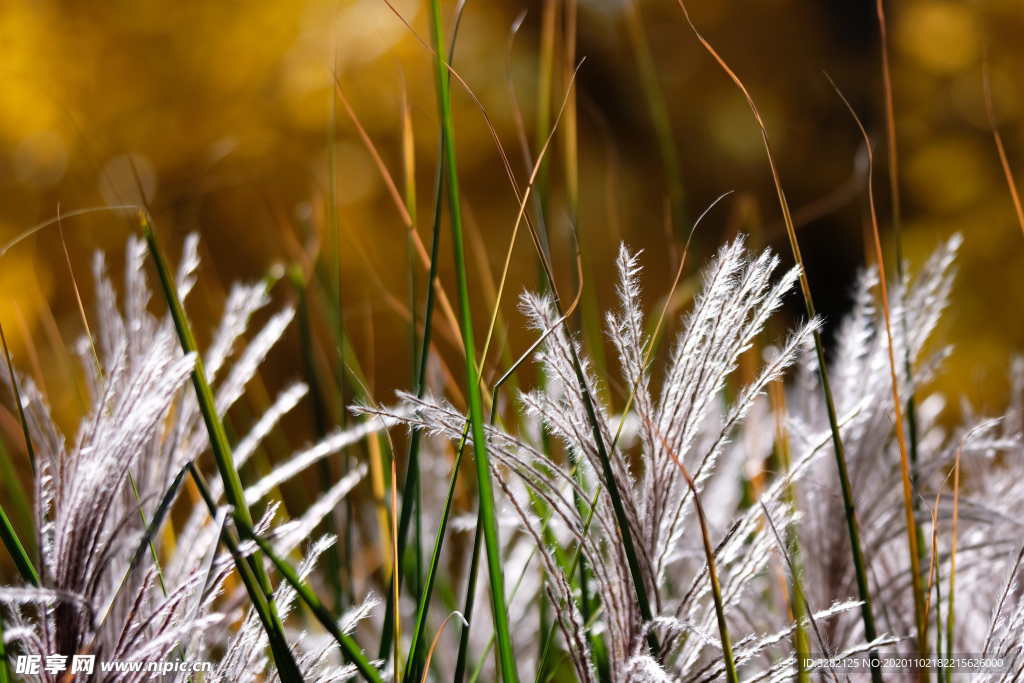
point(221, 112)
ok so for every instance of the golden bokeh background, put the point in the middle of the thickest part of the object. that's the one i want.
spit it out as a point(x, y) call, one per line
point(218, 113)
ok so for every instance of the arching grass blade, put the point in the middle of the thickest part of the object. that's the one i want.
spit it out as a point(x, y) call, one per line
point(259, 591)
point(21, 559)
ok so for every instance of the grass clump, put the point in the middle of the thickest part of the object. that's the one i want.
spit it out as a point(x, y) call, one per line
point(721, 506)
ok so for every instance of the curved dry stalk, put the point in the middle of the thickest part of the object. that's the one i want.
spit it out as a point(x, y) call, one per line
point(421, 251)
point(522, 210)
point(449, 70)
point(999, 145)
point(222, 454)
point(908, 495)
point(430, 653)
point(709, 551)
point(897, 230)
point(543, 107)
point(844, 477)
point(890, 129)
point(55, 220)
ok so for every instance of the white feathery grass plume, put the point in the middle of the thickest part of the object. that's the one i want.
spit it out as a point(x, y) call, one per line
point(144, 420)
point(231, 389)
point(293, 533)
point(284, 402)
point(333, 443)
point(242, 303)
point(863, 384)
point(737, 300)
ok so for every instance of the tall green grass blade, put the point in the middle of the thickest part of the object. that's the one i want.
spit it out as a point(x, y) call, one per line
point(16, 494)
point(844, 478)
point(545, 74)
point(21, 559)
point(412, 673)
point(222, 455)
point(408, 492)
point(413, 670)
point(424, 605)
point(467, 612)
point(261, 602)
point(486, 493)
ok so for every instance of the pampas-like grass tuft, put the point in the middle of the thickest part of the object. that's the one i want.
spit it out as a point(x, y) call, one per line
point(145, 422)
point(717, 429)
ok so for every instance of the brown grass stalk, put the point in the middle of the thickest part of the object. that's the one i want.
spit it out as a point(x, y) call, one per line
point(999, 145)
point(908, 494)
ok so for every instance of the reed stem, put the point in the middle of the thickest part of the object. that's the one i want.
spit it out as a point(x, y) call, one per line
point(897, 233)
point(486, 494)
point(844, 478)
point(222, 455)
point(17, 551)
point(797, 601)
point(920, 607)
